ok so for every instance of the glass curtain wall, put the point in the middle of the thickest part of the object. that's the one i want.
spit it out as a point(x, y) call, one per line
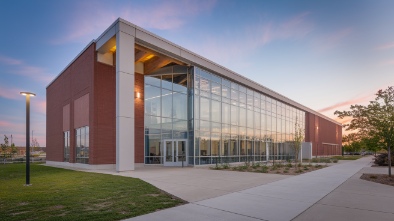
point(233, 123)
point(166, 114)
point(222, 120)
point(82, 145)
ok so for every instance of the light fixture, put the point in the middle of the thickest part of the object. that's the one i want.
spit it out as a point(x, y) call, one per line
point(138, 95)
point(28, 95)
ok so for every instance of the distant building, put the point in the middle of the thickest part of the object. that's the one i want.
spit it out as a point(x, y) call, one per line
point(131, 97)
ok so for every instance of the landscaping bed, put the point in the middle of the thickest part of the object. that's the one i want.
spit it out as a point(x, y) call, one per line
point(378, 178)
point(277, 168)
point(60, 194)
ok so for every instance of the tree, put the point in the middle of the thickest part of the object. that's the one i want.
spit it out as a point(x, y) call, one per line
point(35, 145)
point(4, 146)
point(299, 134)
point(373, 144)
point(376, 120)
point(352, 143)
point(14, 150)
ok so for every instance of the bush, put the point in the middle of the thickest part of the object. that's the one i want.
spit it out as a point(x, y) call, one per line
point(289, 165)
point(382, 159)
point(225, 166)
point(264, 169)
point(335, 160)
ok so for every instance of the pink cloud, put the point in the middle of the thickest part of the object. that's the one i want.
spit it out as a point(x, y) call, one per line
point(333, 40)
point(10, 93)
point(19, 67)
point(222, 48)
point(18, 131)
point(164, 15)
point(296, 27)
point(385, 46)
point(387, 62)
point(347, 103)
point(9, 61)
point(39, 106)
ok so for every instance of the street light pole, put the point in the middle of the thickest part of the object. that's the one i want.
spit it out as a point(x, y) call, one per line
point(28, 94)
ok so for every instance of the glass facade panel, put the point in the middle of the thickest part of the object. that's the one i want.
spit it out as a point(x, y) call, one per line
point(222, 120)
point(82, 145)
point(66, 136)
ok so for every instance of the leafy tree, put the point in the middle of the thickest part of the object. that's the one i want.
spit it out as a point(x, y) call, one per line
point(299, 134)
point(353, 143)
point(35, 145)
point(372, 144)
point(4, 146)
point(375, 120)
point(14, 150)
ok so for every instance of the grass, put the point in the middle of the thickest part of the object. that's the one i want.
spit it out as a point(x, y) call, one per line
point(60, 194)
point(347, 157)
point(278, 168)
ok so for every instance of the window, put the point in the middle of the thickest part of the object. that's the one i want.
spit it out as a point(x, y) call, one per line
point(66, 136)
point(82, 145)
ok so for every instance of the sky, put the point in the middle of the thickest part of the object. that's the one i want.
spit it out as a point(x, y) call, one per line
point(325, 55)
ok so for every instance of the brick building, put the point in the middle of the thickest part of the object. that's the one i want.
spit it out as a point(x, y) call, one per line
point(131, 97)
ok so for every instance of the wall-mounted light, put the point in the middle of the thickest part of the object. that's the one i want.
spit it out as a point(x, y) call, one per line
point(137, 94)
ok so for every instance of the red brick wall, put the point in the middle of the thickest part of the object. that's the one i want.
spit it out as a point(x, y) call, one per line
point(72, 84)
point(87, 76)
point(320, 131)
point(103, 115)
point(139, 119)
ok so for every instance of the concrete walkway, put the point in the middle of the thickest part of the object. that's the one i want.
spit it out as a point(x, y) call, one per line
point(355, 199)
point(284, 199)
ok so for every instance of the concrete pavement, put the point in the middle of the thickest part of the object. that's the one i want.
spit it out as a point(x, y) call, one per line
point(355, 199)
point(310, 196)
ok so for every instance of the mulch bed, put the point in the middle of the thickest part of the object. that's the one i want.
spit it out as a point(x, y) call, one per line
point(378, 178)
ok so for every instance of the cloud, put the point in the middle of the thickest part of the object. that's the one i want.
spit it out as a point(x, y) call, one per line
point(385, 46)
point(347, 103)
point(333, 40)
point(20, 68)
point(10, 93)
point(386, 62)
point(163, 15)
point(39, 106)
point(9, 61)
point(256, 35)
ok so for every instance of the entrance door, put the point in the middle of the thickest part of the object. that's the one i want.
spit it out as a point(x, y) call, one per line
point(175, 151)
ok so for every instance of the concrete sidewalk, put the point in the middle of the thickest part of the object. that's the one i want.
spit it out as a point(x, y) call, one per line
point(284, 199)
point(355, 199)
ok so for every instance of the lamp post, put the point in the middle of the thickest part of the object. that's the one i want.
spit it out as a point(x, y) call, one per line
point(28, 95)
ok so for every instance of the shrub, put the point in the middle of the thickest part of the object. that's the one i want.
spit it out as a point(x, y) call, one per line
point(264, 169)
point(382, 159)
point(285, 171)
point(335, 160)
point(289, 165)
point(225, 166)
point(373, 177)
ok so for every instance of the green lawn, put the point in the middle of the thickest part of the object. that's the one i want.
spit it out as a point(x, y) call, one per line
point(347, 157)
point(60, 194)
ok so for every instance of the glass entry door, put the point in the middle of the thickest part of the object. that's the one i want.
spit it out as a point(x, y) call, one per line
point(175, 151)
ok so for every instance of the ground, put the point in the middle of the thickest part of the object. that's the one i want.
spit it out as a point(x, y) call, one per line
point(278, 168)
point(60, 194)
point(378, 178)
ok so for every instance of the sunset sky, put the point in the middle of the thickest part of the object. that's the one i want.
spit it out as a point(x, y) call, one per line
point(323, 54)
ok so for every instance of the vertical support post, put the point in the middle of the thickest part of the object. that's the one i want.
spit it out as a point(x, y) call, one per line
point(27, 140)
point(125, 120)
